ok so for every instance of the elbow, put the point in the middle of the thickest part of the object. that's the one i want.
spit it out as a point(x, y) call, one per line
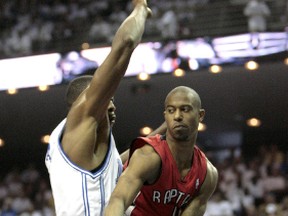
point(125, 47)
point(130, 42)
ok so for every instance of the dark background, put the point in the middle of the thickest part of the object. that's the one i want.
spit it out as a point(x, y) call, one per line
point(229, 98)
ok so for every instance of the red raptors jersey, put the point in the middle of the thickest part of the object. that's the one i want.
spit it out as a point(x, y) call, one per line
point(169, 193)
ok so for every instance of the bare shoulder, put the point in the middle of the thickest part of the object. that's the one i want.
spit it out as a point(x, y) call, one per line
point(147, 163)
point(147, 149)
point(146, 154)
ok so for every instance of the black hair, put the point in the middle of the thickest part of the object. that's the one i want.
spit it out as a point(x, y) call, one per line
point(76, 87)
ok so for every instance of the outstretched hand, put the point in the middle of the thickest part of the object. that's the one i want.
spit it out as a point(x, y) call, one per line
point(144, 3)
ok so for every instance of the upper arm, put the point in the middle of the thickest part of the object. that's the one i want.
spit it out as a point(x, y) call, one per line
point(197, 206)
point(106, 80)
point(144, 166)
point(90, 108)
point(88, 113)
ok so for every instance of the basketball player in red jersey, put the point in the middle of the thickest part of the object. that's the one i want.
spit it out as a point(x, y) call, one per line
point(169, 174)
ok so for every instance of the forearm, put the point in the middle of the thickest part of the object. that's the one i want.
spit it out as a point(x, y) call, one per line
point(108, 76)
point(144, 167)
point(131, 30)
point(160, 130)
point(122, 196)
point(116, 207)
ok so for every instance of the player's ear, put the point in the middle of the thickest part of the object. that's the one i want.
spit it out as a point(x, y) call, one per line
point(201, 114)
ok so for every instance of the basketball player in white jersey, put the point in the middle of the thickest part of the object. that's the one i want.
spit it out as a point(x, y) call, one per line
point(82, 159)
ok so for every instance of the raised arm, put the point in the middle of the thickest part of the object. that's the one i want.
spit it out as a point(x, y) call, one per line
point(88, 111)
point(144, 166)
point(112, 70)
point(108, 76)
point(197, 206)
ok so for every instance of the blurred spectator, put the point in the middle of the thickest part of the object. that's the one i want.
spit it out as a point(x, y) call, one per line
point(277, 157)
point(274, 182)
point(229, 178)
point(23, 192)
point(257, 11)
point(284, 206)
point(250, 211)
point(3, 191)
point(247, 202)
point(255, 187)
point(30, 174)
point(101, 30)
point(118, 15)
point(286, 13)
point(218, 205)
point(21, 203)
point(168, 25)
point(250, 172)
point(7, 209)
point(13, 182)
point(270, 207)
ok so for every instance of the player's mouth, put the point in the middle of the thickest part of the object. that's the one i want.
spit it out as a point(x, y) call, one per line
point(112, 118)
point(180, 126)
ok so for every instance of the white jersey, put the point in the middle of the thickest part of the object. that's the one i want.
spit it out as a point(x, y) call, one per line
point(77, 191)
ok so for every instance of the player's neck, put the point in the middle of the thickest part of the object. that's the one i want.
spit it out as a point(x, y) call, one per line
point(182, 146)
point(182, 153)
point(183, 157)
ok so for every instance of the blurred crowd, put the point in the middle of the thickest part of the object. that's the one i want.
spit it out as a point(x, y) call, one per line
point(247, 187)
point(257, 186)
point(25, 192)
point(29, 26)
point(37, 26)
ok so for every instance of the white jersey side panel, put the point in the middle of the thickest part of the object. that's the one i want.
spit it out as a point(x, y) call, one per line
point(77, 191)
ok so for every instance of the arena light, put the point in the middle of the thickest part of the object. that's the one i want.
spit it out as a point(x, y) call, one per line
point(12, 91)
point(193, 64)
point(85, 46)
point(202, 127)
point(43, 87)
point(251, 65)
point(145, 131)
point(45, 139)
point(253, 122)
point(215, 69)
point(179, 72)
point(39, 70)
point(143, 76)
point(2, 143)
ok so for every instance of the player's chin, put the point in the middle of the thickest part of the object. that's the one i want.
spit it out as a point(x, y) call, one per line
point(112, 121)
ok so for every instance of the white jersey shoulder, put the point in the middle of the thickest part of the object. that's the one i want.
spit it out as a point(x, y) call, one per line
point(77, 191)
